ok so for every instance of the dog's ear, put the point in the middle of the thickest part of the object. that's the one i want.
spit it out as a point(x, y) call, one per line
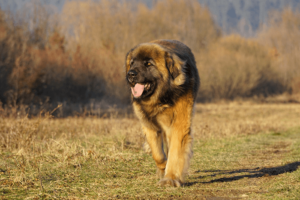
point(172, 65)
point(175, 66)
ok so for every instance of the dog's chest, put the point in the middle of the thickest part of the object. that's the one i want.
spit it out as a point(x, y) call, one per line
point(158, 117)
point(162, 118)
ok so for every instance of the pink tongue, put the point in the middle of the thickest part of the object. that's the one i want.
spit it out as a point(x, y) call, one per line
point(137, 90)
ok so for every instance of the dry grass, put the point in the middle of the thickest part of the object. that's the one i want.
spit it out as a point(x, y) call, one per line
point(240, 150)
point(243, 118)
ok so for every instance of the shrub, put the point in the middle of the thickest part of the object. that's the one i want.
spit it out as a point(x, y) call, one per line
point(237, 67)
point(282, 34)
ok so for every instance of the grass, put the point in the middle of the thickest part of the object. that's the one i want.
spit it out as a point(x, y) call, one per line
point(241, 151)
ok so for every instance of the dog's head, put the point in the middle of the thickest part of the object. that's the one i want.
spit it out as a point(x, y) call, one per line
point(151, 69)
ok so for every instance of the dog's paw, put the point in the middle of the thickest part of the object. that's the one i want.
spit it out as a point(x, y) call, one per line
point(169, 182)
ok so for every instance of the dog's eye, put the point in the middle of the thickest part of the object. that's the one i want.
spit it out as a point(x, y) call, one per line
point(147, 64)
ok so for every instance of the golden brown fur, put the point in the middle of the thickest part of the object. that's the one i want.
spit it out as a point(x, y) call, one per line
point(166, 70)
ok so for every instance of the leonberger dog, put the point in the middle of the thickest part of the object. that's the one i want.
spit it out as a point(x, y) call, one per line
point(164, 82)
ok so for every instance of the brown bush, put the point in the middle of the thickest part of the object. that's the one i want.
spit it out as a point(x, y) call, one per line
point(53, 72)
point(237, 67)
point(282, 35)
point(106, 31)
point(296, 85)
point(11, 44)
point(37, 68)
point(117, 27)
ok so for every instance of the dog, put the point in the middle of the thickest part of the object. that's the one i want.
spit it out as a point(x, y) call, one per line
point(164, 82)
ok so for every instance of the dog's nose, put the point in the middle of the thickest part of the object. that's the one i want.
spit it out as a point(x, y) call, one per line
point(132, 74)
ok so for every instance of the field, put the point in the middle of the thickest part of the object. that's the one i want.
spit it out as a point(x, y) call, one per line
point(242, 150)
point(67, 130)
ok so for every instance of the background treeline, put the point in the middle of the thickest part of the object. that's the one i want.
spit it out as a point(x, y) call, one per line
point(239, 16)
point(245, 17)
point(76, 58)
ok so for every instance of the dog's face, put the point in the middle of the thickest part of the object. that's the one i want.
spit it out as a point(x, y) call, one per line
point(150, 70)
point(142, 75)
point(144, 70)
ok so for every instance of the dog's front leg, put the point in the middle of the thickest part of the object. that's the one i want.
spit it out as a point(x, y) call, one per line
point(180, 143)
point(155, 141)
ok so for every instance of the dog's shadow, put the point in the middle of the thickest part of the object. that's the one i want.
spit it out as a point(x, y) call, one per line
point(252, 173)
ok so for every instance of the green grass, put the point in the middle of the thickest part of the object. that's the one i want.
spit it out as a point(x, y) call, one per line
point(262, 166)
